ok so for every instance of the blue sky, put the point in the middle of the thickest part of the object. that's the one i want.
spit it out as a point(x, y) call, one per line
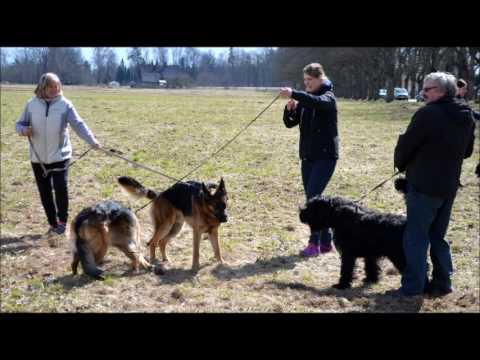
point(123, 51)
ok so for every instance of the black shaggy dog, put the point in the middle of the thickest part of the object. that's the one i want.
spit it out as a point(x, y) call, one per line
point(358, 233)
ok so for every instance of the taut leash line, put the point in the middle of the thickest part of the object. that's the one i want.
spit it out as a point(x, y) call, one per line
point(376, 187)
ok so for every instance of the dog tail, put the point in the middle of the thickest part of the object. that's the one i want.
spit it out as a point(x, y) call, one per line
point(401, 185)
point(79, 246)
point(134, 188)
point(88, 260)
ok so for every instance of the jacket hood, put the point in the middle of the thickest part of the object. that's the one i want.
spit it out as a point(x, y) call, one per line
point(456, 110)
point(326, 86)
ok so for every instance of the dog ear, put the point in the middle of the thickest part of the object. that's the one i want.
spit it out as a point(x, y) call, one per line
point(206, 192)
point(221, 187)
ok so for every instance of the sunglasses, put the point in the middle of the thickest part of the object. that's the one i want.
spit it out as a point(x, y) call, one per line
point(427, 89)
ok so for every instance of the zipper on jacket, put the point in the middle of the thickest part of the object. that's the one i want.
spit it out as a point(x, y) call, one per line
point(46, 135)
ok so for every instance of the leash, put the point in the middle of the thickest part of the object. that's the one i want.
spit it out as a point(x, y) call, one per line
point(231, 140)
point(216, 152)
point(376, 187)
point(119, 154)
point(42, 165)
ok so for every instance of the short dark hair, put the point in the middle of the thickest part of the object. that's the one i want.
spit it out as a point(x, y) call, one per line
point(461, 83)
point(314, 70)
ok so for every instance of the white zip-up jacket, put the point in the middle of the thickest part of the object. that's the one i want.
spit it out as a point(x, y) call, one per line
point(49, 122)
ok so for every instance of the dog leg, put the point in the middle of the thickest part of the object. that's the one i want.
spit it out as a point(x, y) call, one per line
point(163, 243)
point(134, 248)
point(129, 251)
point(160, 232)
point(75, 261)
point(346, 272)
point(372, 270)
point(213, 236)
point(399, 262)
point(196, 249)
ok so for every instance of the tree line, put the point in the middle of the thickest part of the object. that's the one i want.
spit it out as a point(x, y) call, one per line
point(236, 67)
point(357, 72)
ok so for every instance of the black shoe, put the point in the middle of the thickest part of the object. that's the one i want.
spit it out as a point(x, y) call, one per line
point(60, 229)
point(435, 291)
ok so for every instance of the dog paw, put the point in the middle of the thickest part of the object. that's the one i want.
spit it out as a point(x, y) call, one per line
point(341, 286)
point(159, 269)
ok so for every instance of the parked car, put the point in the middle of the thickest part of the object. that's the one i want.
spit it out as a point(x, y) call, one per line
point(400, 94)
point(382, 93)
point(419, 96)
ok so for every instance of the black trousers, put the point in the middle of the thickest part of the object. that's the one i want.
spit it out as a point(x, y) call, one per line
point(59, 180)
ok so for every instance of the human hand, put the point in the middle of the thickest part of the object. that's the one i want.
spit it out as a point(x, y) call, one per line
point(285, 92)
point(27, 131)
point(291, 105)
point(96, 146)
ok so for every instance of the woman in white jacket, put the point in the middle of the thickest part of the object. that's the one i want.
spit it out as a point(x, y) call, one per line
point(45, 121)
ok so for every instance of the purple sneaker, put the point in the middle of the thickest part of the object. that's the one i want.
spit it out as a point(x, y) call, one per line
point(325, 248)
point(311, 250)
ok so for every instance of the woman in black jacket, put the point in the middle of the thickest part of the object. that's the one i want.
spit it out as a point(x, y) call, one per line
point(315, 111)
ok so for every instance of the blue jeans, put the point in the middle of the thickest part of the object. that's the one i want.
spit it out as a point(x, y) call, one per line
point(427, 223)
point(316, 175)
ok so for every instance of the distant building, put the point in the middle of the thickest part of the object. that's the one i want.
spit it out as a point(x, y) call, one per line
point(152, 77)
point(171, 72)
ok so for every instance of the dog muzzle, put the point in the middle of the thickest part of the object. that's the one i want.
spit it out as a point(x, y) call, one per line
point(222, 217)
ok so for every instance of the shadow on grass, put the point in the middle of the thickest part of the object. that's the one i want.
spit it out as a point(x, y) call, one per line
point(264, 266)
point(177, 275)
point(70, 282)
point(378, 303)
point(113, 273)
point(17, 244)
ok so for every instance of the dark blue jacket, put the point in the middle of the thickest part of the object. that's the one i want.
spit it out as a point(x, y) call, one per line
point(316, 114)
point(432, 149)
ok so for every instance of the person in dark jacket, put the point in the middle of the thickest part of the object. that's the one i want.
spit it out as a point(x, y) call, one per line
point(431, 151)
point(315, 111)
point(462, 91)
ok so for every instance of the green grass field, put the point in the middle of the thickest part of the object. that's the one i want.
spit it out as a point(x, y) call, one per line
point(172, 131)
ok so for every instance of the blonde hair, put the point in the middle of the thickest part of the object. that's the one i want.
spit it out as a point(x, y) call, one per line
point(46, 80)
point(315, 70)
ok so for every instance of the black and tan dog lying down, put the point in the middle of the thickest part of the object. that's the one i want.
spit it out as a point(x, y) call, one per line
point(358, 233)
point(97, 227)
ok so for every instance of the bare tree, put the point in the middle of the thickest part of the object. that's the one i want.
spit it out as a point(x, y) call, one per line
point(177, 54)
point(162, 56)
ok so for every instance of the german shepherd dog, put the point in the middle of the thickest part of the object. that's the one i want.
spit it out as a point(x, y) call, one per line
point(202, 206)
point(95, 228)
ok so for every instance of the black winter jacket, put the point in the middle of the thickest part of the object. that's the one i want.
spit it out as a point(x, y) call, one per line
point(316, 115)
point(438, 138)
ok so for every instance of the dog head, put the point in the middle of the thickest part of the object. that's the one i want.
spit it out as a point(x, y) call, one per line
point(317, 213)
point(105, 211)
point(216, 198)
